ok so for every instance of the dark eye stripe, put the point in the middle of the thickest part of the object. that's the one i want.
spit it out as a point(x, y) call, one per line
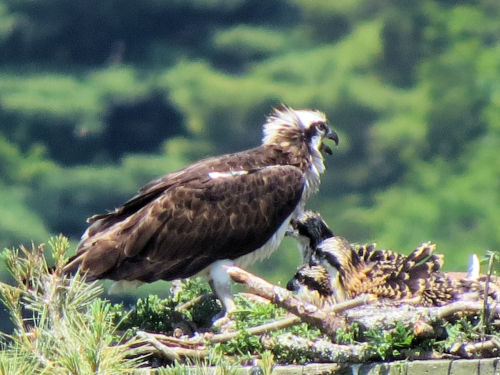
point(312, 130)
point(320, 125)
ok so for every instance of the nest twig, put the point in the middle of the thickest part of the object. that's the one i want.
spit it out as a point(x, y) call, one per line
point(328, 321)
point(365, 311)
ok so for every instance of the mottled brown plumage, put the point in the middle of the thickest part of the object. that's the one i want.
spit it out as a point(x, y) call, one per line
point(193, 219)
point(352, 270)
point(388, 274)
point(233, 207)
point(474, 289)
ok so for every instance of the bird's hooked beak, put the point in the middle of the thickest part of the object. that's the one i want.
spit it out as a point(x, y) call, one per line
point(293, 285)
point(292, 229)
point(334, 137)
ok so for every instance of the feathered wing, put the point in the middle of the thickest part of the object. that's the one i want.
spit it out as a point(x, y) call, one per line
point(180, 177)
point(395, 276)
point(180, 224)
point(382, 272)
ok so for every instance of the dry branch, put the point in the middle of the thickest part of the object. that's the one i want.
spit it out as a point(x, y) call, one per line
point(327, 321)
point(257, 330)
point(199, 341)
point(324, 350)
point(425, 322)
point(172, 353)
point(462, 307)
point(387, 315)
point(470, 349)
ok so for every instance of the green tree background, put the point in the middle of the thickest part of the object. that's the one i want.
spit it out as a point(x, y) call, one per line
point(99, 97)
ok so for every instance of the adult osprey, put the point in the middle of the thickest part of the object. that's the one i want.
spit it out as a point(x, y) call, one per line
point(222, 210)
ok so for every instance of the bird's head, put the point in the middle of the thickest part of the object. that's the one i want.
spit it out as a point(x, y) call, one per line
point(325, 272)
point(287, 127)
point(312, 283)
point(336, 254)
point(299, 134)
point(340, 260)
point(310, 229)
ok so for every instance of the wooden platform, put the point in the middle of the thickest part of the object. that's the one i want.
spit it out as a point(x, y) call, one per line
point(490, 366)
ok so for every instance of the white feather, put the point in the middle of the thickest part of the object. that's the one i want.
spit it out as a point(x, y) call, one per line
point(317, 167)
point(304, 247)
point(214, 175)
point(308, 117)
point(474, 268)
point(222, 283)
point(288, 118)
point(269, 247)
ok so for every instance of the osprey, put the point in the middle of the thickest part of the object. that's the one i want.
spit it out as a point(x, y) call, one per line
point(336, 270)
point(310, 230)
point(230, 209)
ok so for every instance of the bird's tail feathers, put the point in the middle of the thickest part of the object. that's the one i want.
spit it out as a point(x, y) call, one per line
point(422, 251)
point(95, 258)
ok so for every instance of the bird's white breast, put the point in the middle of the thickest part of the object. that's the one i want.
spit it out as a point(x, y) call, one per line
point(316, 169)
point(269, 247)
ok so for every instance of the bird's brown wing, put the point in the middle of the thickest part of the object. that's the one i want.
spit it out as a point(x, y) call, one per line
point(388, 274)
point(179, 229)
point(395, 276)
point(248, 160)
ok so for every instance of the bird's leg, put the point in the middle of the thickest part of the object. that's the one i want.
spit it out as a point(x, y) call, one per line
point(220, 283)
point(228, 306)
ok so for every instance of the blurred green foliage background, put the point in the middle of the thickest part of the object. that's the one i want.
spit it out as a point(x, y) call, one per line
point(99, 97)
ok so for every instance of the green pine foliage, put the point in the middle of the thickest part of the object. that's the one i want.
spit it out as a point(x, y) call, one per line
point(60, 324)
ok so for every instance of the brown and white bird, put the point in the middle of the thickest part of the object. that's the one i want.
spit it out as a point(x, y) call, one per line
point(229, 209)
point(310, 230)
point(337, 270)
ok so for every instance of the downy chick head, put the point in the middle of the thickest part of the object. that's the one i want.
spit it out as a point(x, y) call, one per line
point(325, 271)
point(310, 230)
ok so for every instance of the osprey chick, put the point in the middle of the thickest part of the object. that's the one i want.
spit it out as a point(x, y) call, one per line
point(351, 270)
point(230, 209)
point(310, 230)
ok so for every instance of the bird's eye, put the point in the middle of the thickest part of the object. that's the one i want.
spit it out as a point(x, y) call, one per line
point(321, 126)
